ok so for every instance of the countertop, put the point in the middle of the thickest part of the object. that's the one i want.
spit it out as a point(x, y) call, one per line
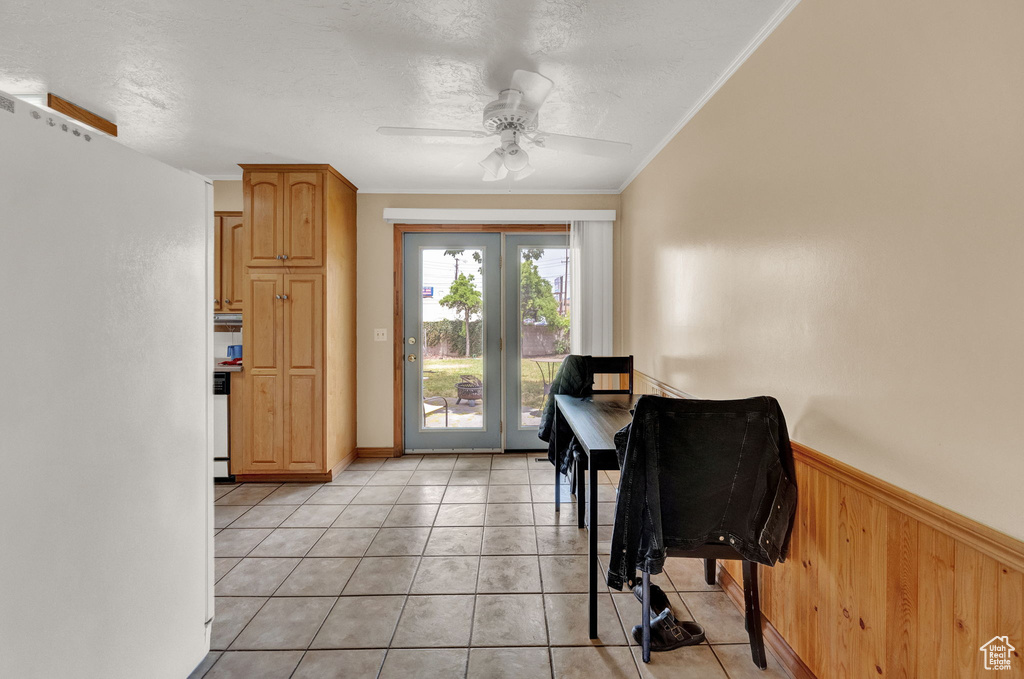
point(217, 368)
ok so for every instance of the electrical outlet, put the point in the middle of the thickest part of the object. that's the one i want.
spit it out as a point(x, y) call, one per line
point(380, 335)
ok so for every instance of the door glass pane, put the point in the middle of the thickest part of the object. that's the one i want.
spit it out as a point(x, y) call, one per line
point(451, 336)
point(544, 307)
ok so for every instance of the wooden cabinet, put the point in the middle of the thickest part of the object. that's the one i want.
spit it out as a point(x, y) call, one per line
point(298, 331)
point(229, 263)
point(263, 213)
point(263, 349)
point(303, 370)
point(284, 366)
point(233, 268)
point(285, 213)
point(303, 231)
point(217, 288)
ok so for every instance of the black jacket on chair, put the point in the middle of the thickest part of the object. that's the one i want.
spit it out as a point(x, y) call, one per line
point(575, 379)
point(699, 472)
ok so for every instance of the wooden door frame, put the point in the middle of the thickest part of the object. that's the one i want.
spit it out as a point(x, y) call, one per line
point(399, 340)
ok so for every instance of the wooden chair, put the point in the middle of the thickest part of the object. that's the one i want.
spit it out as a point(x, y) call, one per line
point(612, 365)
point(599, 365)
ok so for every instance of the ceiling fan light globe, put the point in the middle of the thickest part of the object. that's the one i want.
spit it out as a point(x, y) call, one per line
point(493, 177)
point(516, 158)
point(524, 173)
point(492, 163)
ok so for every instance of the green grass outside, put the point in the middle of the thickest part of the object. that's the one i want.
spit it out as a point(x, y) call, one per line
point(442, 374)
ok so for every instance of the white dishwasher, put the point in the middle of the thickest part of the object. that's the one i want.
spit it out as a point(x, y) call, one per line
point(221, 439)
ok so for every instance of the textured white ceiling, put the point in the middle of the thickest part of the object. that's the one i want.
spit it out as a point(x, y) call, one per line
point(206, 85)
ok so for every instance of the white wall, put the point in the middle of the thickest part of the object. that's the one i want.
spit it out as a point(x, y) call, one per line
point(104, 390)
point(842, 226)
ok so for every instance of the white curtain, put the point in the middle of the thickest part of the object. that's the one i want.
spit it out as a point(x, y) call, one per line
point(590, 288)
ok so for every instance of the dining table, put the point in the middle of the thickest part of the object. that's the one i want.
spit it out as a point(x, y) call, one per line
point(594, 420)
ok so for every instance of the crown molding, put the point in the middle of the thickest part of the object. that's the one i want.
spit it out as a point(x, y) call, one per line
point(492, 192)
point(759, 38)
point(414, 215)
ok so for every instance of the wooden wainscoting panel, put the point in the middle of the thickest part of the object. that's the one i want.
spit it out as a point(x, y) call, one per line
point(902, 595)
point(880, 582)
point(1010, 617)
point(935, 569)
point(975, 607)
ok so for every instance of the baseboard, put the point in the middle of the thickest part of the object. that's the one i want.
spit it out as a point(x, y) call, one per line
point(377, 452)
point(285, 477)
point(774, 642)
point(344, 462)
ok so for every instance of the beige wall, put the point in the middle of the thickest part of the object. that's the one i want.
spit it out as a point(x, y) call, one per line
point(842, 226)
point(227, 196)
point(376, 285)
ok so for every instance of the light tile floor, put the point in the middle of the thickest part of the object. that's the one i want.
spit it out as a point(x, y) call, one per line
point(439, 566)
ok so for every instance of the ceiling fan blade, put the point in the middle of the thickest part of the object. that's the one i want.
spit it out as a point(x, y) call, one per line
point(534, 86)
point(584, 145)
point(430, 132)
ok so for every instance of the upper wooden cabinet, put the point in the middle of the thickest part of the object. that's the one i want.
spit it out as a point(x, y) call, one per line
point(303, 231)
point(229, 262)
point(285, 212)
point(263, 198)
point(217, 288)
point(232, 260)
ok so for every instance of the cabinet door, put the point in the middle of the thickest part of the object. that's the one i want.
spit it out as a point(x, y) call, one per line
point(303, 368)
point(217, 268)
point(303, 218)
point(264, 210)
point(264, 353)
point(233, 282)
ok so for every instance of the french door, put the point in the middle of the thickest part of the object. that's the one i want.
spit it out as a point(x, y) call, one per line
point(485, 326)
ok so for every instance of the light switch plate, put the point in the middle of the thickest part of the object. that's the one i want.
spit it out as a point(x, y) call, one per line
point(380, 335)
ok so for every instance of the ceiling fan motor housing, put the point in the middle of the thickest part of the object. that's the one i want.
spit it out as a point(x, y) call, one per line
point(507, 112)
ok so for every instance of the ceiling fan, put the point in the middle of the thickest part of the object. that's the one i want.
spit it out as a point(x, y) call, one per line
point(513, 118)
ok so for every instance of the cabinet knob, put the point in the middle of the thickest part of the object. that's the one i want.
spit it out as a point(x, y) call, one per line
point(284, 256)
point(216, 301)
point(278, 296)
point(227, 301)
point(277, 257)
point(284, 296)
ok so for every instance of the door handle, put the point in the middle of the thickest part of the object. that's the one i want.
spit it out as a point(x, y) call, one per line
point(411, 358)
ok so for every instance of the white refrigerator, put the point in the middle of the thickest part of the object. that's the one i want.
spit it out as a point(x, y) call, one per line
point(105, 405)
